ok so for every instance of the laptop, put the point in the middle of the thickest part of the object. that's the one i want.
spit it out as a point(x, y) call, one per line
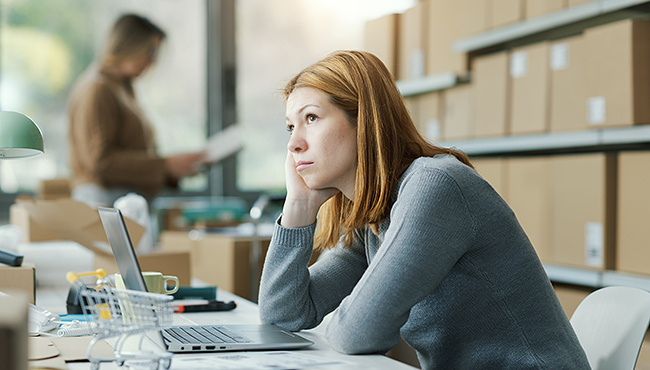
point(197, 338)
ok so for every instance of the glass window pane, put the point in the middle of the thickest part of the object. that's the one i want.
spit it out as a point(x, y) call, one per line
point(45, 46)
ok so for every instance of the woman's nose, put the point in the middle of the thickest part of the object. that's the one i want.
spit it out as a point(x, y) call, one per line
point(296, 143)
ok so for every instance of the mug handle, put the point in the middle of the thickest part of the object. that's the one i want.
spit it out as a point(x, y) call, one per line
point(167, 278)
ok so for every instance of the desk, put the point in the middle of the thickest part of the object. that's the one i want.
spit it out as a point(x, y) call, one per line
point(247, 313)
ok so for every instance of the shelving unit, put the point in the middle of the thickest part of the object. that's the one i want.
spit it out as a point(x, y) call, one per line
point(562, 23)
point(597, 138)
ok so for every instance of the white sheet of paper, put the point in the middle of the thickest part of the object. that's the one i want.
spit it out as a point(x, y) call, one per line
point(244, 360)
point(223, 144)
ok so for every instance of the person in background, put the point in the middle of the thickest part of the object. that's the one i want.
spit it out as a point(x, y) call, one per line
point(112, 148)
point(420, 246)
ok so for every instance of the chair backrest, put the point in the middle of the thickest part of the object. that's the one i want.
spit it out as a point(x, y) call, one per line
point(611, 324)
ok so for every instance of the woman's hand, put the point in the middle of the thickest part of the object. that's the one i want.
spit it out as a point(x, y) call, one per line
point(302, 203)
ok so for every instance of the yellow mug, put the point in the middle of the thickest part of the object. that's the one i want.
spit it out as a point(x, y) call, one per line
point(155, 281)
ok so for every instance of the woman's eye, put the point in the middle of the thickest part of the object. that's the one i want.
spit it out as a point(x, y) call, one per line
point(290, 129)
point(311, 118)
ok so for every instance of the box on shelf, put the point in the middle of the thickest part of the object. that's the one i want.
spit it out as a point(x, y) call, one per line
point(529, 74)
point(633, 218)
point(617, 77)
point(445, 26)
point(567, 98)
point(529, 185)
point(536, 8)
point(19, 281)
point(495, 172)
point(412, 43)
point(506, 12)
point(430, 115)
point(583, 210)
point(380, 38)
point(491, 95)
point(475, 17)
point(458, 119)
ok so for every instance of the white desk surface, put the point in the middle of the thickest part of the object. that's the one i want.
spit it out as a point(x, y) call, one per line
point(245, 313)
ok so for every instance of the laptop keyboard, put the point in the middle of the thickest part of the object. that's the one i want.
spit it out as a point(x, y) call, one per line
point(204, 335)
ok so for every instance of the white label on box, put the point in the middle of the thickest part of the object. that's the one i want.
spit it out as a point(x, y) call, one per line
point(417, 63)
point(518, 64)
point(594, 244)
point(433, 129)
point(559, 57)
point(596, 110)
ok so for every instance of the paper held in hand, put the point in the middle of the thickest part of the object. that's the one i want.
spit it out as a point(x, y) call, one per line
point(223, 144)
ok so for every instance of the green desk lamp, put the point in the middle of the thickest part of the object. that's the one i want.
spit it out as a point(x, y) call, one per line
point(19, 137)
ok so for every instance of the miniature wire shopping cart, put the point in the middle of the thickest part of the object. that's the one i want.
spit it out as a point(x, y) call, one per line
point(123, 314)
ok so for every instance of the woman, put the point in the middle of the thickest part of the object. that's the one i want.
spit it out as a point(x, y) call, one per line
point(112, 149)
point(421, 246)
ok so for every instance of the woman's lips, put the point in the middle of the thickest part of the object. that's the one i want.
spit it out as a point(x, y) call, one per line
point(301, 165)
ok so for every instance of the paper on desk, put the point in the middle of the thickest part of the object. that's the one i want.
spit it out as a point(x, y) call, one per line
point(223, 144)
point(276, 360)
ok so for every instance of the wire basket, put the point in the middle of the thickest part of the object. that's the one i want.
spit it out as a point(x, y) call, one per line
point(127, 315)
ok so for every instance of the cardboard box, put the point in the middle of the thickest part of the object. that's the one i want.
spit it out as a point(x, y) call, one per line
point(529, 73)
point(176, 263)
point(219, 259)
point(32, 231)
point(617, 75)
point(633, 234)
point(529, 193)
point(54, 189)
point(14, 316)
point(430, 115)
point(19, 281)
point(458, 111)
point(491, 82)
point(476, 17)
point(568, 60)
point(584, 210)
point(495, 172)
point(571, 3)
point(67, 219)
point(445, 18)
point(412, 43)
point(571, 296)
point(506, 12)
point(380, 38)
point(537, 8)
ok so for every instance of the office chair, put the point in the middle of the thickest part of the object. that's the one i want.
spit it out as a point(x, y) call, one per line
point(611, 324)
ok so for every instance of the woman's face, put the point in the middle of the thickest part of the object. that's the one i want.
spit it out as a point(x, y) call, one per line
point(134, 66)
point(323, 141)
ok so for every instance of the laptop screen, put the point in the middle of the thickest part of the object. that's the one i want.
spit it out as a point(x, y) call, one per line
point(120, 242)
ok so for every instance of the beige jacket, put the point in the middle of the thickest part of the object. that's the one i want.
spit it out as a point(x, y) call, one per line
point(111, 142)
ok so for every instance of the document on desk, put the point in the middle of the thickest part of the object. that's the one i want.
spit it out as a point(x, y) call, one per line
point(276, 360)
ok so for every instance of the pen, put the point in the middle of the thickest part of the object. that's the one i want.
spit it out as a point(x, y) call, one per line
point(203, 307)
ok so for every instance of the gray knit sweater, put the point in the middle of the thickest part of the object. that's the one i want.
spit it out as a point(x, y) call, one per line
point(451, 271)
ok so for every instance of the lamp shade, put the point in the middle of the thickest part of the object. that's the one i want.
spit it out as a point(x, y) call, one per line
point(19, 136)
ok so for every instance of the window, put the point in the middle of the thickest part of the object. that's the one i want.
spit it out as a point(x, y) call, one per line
point(44, 47)
point(275, 40)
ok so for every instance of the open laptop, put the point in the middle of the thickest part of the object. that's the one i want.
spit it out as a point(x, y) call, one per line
point(198, 338)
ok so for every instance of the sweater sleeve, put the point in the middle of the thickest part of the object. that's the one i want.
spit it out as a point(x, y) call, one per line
point(296, 297)
point(430, 230)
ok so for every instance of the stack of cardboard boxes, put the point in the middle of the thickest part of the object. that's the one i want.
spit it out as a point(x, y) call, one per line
point(579, 209)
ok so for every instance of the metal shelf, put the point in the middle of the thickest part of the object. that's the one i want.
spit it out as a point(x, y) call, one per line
point(427, 84)
point(594, 278)
point(553, 141)
point(545, 23)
